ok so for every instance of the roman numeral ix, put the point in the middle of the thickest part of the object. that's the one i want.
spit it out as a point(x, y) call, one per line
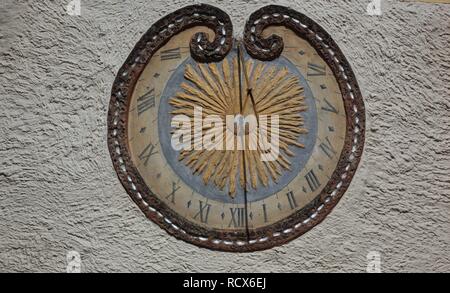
point(147, 153)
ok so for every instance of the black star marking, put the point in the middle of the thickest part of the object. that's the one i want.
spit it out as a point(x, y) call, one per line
point(322, 86)
point(222, 215)
point(143, 129)
point(320, 167)
point(304, 189)
point(189, 204)
point(301, 52)
point(279, 206)
point(331, 128)
point(156, 75)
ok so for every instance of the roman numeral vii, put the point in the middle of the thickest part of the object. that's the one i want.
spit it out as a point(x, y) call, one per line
point(170, 54)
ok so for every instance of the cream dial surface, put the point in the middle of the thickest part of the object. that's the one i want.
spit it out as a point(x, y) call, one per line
point(148, 156)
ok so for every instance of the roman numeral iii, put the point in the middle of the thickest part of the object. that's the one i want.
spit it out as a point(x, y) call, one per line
point(312, 180)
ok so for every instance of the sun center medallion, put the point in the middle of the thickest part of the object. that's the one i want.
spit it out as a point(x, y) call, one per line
point(238, 127)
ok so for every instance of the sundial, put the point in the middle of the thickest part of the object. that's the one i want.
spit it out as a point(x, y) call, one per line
point(236, 143)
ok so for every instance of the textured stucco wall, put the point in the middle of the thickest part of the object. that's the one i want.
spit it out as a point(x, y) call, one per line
point(58, 190)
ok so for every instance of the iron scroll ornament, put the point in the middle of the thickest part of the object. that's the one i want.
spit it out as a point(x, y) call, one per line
point(204, 51)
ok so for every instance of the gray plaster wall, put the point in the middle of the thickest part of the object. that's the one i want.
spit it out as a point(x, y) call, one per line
point(59, 192)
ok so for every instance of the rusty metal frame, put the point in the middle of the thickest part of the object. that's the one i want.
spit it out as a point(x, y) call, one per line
point(259, 48)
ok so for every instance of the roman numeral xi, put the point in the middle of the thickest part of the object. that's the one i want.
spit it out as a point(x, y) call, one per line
point(203, 212)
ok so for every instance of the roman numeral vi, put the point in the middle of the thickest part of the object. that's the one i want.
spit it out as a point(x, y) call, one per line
point(315, 70)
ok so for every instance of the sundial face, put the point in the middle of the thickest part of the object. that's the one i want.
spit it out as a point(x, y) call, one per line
point(236, 145)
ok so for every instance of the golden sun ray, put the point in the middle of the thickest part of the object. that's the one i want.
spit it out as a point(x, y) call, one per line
point(215, 89)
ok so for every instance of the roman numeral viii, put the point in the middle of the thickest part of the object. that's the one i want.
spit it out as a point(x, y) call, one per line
point(315, 70)
point(146, 101)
